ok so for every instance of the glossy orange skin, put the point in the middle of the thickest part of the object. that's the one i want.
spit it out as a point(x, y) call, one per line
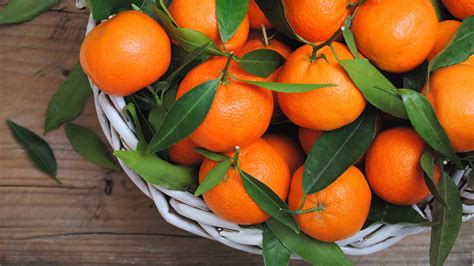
point(229, 199)
point(346, 204)
point(316, 20)
point(257, 17)
point(392, 166)
point(240, 113)
point(201, 16)
point(321, 109)
point(446, 31)
point(308, 137)
point(125, 53)
point(288, 148)
point(396, 35)
point(183, 153)
point(452, 96)
point(460, 8)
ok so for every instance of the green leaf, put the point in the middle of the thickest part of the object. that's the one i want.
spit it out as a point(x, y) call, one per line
point(69, 100)
point(349, 37)
point(274, 253)
point(309, 249)
point(18, 11)
point(262, 62)
point(377, 89)
point(185, 116)
point(427, 164)
point(187, 38)
point(268, 201)
point(38, 150)
point(440, 10)
point(213, 177)
point(187, 62)
point(156, 117)
point(337, 150)
point(211, 155)
point(285, 87)
point(230, 14)
point(157, 171)
point(131, 110)
point(416, 78)
point(275, 12)
point(459, 49)
point(424, 120)
point(386, 213)
point(444, 234)
point(89, 146)
point(103, 9)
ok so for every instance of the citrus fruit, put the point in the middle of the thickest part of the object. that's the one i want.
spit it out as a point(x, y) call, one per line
point(257, 17)
point(342, 207)
point(240, 113)
point(183, 152)
point(201, 16)
point(460, 8)
point(446, 31)
point(125, 53)
point(288, 148)
point(452, 95)
point(316, 20)
point(396, 35)
point(229, 199)
point(392, 166)
point(308, 137)
point(326, 108)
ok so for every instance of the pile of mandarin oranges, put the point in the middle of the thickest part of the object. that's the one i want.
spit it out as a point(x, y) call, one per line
point(132, 50)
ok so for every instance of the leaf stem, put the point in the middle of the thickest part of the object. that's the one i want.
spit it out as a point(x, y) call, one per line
point(236, 162)
point(225, 71)
point(316, 48)
point(318, 208)
point(266, 41)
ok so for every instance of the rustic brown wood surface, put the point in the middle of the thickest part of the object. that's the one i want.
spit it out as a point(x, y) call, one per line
point(42, 222)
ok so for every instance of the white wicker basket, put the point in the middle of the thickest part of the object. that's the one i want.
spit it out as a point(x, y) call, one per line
point(184, 210)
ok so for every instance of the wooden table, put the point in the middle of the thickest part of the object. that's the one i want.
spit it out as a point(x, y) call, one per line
point(43, 222)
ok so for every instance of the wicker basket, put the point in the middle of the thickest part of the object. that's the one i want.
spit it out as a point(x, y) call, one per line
point(184, 210)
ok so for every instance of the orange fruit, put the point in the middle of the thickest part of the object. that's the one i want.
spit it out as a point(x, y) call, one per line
point(229, 199)
point(201, 16)
point(393, 166)
point(183, 153)
point(126, 53)
point(257, 17)
point(452, 96)
point(316, 20)
point(288, 148)
point(240, 113)
point(446, 31)
point(396, 35)
point(308, 137)
point(321, 109)
point(460, 8)
point(344, 206)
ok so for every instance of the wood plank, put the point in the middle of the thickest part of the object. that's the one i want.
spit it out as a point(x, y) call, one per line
point(77, 223)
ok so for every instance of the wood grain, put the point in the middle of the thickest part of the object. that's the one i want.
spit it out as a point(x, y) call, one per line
point(77, 223)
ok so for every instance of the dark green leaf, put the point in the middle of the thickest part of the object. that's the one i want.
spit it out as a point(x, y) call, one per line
point(262, 62)
point(89, 146)
point(230, 14)
point(189, 60)
point(268, 201)
point(275, 12)
point(349, 37)
point(444, 234)
point(424, 120)
point(427, 164)
point(213, 177)
point(441, 11)
point(337, 150)
point(131, 110)
point(102, 9)
point(18, 11)
point(185, 116)
point(157, 171)
point(459, 49)
point(377, 89)
point(416, 78)
point(286, 87)
point(156, 117)
point(274, 253)
point(211, 155)
point(38, 150)
point(69, 100)
point(309, 249)
point(386, 213)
